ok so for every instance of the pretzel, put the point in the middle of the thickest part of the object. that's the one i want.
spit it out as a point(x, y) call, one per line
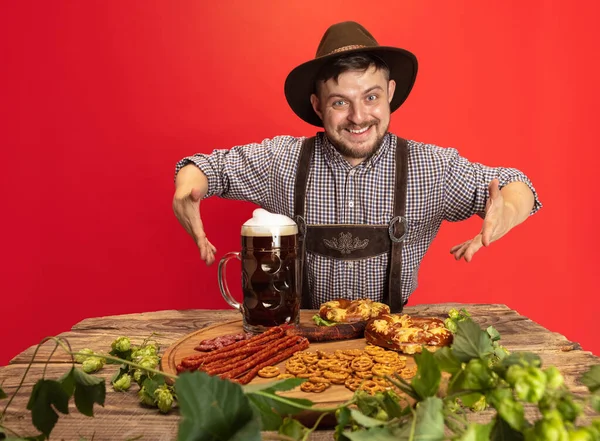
point(364, 375)
point(353, 383)
point(371, 387)
point(382, 369)
point(336, 377)
point(284, 376)
point(374, 350)
point(361, 364)
point(408, 372)
point(386, 357)
point(314, 387)
point(295, 366)
point(269, 372)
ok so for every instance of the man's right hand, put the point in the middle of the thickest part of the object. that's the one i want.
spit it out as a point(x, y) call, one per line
point(190, 187)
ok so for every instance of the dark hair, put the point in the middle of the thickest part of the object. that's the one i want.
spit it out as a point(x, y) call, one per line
point(356, 61)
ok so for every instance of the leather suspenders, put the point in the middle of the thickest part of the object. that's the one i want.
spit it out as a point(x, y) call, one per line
point(368, 240)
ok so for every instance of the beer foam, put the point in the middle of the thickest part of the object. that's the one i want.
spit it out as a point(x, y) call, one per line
point(264, 223)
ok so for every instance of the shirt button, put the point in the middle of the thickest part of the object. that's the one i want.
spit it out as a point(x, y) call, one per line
point(352, 172)
point(350, 264)
point(351, 204)
point(349, 293)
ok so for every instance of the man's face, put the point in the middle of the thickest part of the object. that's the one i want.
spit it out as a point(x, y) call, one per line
point(355, 111)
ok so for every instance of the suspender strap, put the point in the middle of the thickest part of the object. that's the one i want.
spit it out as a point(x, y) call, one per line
point(398, 228)
point(304, 159)
point(306, 153)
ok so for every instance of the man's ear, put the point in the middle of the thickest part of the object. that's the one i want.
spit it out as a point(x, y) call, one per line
point(314, 101)
point(391, 89)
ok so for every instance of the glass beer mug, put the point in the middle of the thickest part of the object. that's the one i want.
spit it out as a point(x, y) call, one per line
point(271, 272)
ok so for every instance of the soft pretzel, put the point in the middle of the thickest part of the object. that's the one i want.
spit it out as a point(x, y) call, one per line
point(407, 334)
point(350, 311)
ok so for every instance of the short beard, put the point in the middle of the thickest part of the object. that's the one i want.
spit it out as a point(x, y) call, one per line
point(348, 152)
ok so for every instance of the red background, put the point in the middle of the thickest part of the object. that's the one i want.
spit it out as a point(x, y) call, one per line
point(98, 100)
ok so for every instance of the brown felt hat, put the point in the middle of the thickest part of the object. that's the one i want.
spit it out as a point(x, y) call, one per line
point(342, 39)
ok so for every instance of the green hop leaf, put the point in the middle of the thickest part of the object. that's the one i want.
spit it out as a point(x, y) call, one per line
point(502, 431)
point(208, 405)
point(46, 396)
point(446, 360)
point(477, 432)
point(271, 408)
point(429, 423)
point(88, 390)
point(292, 428)
point(427, 380)
point(146, 397)
point(470, 341)
point(364, 420)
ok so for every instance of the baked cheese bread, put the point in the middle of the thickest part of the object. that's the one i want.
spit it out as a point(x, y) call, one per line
point(407, 334)
point(351, 311)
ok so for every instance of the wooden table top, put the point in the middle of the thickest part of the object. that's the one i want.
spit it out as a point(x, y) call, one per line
point(123, 418)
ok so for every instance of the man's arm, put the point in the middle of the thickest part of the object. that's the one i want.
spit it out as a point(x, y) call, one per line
point(504, 210)
point(191, 185)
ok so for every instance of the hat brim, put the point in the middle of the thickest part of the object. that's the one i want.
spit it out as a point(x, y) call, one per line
point(299, 85)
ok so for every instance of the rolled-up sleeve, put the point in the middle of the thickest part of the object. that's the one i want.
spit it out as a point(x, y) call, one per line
point(238, 173)
point(466, 186)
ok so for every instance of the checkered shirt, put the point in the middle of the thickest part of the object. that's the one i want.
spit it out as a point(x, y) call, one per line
point(442, 185)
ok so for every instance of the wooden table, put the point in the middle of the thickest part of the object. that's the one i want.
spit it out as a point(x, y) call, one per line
point(123, 418)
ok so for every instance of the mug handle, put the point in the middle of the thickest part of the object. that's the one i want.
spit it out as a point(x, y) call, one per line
point(223, 282)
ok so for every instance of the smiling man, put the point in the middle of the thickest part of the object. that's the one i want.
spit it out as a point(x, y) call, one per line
point(369, 203)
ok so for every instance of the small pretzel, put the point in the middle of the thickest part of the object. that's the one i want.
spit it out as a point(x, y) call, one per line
point(328, 363)
point(381, 370)
point(398, 365)
point(342, 356)
point(269, 372)
point(408, 372)
point(295, 367)
point(373, 350)
point(336, 377)
point(353, 352)
point(371, 387)
point(382, 382)
point(386, 357)
point(284, 376)
point(361, 364)
point(314, 387)
point(311, 371)
point(310, 359)
point(353, 383)
point(325, 355)
point(364, 374)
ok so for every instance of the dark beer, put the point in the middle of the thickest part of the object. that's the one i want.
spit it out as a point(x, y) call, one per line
point(270, 276)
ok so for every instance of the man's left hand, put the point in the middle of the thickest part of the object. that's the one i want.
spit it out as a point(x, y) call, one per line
point(494, 225)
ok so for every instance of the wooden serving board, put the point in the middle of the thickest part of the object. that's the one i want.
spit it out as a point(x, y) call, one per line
point(332, 396)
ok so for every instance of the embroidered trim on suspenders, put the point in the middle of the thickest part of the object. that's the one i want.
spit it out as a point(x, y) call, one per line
point(353, 242)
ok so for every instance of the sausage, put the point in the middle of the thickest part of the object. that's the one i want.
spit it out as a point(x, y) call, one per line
point(341, 331)
point(267, 353)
